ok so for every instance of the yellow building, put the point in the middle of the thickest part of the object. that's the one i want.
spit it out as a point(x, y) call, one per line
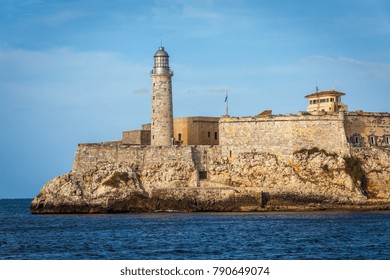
point(196, 130)
point(187, 131)
point(326, 101)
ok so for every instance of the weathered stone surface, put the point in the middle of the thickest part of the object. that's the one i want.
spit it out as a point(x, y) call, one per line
point(282, 135)
point(376, 166)
point(112, 177)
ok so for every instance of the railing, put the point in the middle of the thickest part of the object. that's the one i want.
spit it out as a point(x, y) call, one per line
point(161, 71)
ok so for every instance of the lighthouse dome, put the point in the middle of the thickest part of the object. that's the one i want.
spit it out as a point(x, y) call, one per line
point(161, 52)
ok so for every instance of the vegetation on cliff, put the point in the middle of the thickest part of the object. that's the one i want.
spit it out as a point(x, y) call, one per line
point(354, 168)
point(313, 151)
point(116, 179)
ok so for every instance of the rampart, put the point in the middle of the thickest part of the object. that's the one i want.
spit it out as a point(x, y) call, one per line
point(368, 129)
point(284, 134)
point(89, 155)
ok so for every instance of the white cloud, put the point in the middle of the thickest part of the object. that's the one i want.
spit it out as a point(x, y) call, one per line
point(62, 16)
point(219, 90)
point(369, 69)
point(141, 91)
point(202, 14)
point(89, 83)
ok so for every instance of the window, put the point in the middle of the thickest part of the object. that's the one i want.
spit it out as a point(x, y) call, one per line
point(179, 136)
point(216, 135)
point(356, 140)
point(332, 100)
point(372, 139)
point(387, 140)
point(202, 175)
point(209, 134)
point(154, 84)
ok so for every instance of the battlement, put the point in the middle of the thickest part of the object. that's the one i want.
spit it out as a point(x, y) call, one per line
point(368, 114)
point(301, 116)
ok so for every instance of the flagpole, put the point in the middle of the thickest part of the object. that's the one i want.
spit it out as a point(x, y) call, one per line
point(227, 104)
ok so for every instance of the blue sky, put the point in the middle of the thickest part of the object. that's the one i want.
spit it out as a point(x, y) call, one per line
point(78, 71)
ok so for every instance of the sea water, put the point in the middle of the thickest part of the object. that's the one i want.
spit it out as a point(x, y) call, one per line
point(301, 236)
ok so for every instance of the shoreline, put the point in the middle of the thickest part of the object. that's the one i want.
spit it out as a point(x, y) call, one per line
point(325, 208)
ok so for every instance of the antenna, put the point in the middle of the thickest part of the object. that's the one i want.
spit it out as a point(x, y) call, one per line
point(161, 43)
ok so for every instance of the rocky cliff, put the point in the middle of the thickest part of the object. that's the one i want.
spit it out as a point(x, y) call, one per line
point(112, 177)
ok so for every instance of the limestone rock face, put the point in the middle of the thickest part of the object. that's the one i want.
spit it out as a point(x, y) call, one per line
point(123, 179)
point(108, 188)
point(308, 176)
point(376, 167)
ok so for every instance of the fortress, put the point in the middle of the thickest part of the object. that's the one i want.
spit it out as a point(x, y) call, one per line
point(325, 157)
point(326, 124)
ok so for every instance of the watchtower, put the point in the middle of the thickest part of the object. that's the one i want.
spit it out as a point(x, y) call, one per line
point(326, 101)
point(162, 109)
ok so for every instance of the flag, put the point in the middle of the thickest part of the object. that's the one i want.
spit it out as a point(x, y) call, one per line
point(226, 97)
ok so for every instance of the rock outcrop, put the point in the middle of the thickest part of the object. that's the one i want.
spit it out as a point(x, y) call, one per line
point(112, 177)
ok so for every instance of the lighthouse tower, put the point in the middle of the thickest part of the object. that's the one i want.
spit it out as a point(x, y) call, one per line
point(162, 112)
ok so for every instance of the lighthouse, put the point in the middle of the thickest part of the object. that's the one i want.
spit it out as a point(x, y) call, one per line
point(162, 109)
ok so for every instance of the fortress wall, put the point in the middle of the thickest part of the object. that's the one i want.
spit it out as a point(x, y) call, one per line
point(283, 135)
point(368, 124)
point(205, 155)
point(167, 154)
point(89, 155)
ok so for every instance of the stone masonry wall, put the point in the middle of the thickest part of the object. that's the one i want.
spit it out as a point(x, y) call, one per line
point(283, 135)
point(360, 126)
point(88, 156)
point(136, 137)
point(162, 114)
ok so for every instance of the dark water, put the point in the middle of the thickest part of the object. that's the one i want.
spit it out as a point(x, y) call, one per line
point(313, 235)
